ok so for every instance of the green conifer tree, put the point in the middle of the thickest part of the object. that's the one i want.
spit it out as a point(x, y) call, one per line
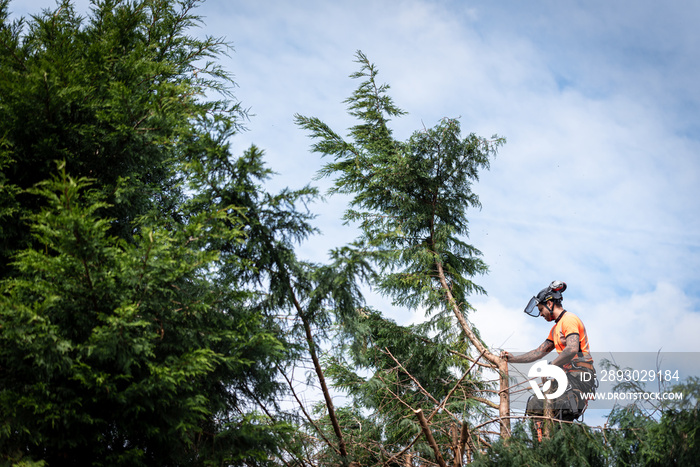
point(112, 94)
point(129, 335)
point(127, 353)
point(410, 200)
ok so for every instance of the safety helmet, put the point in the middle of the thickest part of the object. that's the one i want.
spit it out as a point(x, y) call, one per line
point(552, 292)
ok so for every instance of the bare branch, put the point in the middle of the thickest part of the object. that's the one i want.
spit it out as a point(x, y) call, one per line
point(415, 381)
point(429, 436)
point(321, 378)
point(306, 414)
point(454, 388)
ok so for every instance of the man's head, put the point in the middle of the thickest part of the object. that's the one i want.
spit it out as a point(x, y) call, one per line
point(550, 309)
point(547, 301)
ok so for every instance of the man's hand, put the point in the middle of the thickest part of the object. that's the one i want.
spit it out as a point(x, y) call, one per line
point(529, 357)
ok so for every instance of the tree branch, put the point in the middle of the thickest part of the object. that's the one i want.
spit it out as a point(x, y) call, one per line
point(504, 403)
point(306, 414)
point(321, 378)
point(415, 381)
point(454, 388)
point(429, 436)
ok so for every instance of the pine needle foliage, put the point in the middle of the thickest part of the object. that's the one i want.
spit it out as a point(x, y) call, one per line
point(632, 437)
point(129, 331)
point(410, 200)
point(125, 353)
point(304, 302)
point(574, 445)
point(112, 95)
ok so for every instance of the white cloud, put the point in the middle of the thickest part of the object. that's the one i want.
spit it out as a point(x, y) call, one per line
point(507, 328)
point(665, 318)
point(599, 183)
point(662, 319)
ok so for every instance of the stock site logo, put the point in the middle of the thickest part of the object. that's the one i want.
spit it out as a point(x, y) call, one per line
point(543, 369)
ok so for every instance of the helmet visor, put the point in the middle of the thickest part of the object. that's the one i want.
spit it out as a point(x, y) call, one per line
point(531, 308)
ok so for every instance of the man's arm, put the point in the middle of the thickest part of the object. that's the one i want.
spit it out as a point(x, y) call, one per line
point(566, 355)
point(529, 357)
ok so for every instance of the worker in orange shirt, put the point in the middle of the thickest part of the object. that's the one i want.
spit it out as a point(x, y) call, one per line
point(569, 338)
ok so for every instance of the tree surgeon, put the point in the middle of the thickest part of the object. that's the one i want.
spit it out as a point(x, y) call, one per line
point(568, 336)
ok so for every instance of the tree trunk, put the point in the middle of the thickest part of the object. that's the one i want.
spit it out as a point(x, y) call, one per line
point(501, 365)
point(322, 381)
point(548, 412)
point(504, 398)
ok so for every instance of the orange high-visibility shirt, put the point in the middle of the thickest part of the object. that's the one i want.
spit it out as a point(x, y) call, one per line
point(568, 323)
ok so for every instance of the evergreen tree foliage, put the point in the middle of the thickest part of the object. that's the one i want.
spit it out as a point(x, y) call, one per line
point(153, 306)
point(300, 300)
point(130, 334)
point(669, 438)
point(390, 371)
point(674, 440)
point(572, 445)
point(632, 437)
point(410, 200)
point(126, 353)
point(111, 94)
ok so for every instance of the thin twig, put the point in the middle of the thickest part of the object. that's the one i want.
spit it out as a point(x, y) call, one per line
point(306, 414)
point(454, 388)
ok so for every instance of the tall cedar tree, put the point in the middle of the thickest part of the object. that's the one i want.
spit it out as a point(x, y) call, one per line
point(112, 95)
point(127, 336)
point(128, 353)
point(410, 200)
point(303, 299)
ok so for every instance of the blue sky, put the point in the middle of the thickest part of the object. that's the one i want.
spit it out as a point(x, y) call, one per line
point(598, 184)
